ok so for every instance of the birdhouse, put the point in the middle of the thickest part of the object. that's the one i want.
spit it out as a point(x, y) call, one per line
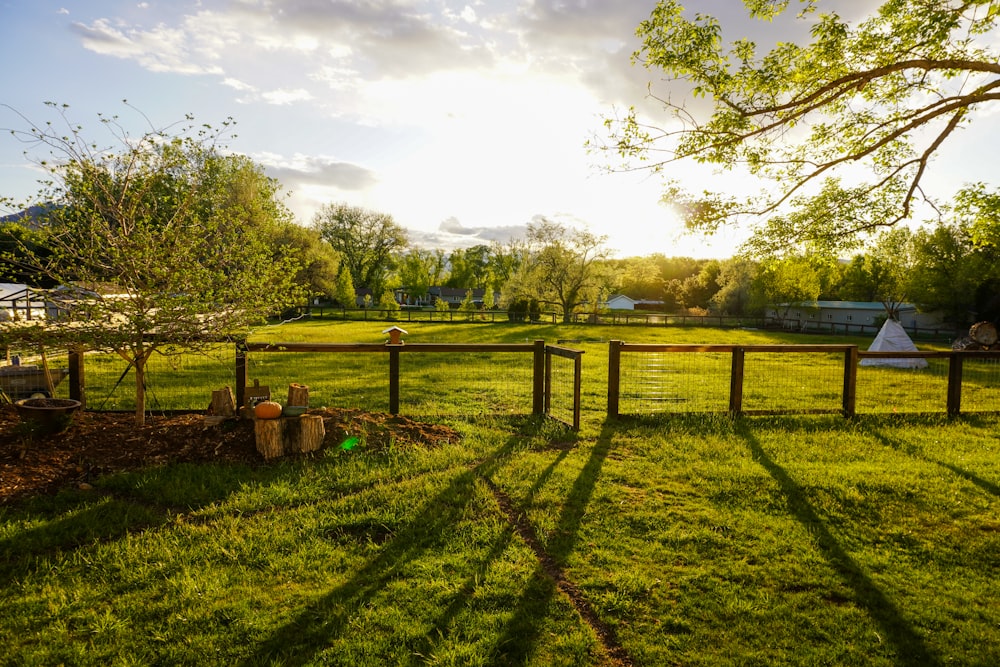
point(395, 335)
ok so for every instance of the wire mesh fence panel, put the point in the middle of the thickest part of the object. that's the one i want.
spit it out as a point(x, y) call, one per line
point(980, 385)
point(335, 379)
point(465, 383)
point(888, 390)
point(793, 382)
point(562, 389)
point(674, 382)
point(176, 378)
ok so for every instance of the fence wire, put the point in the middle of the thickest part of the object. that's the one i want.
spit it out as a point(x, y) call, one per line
point(176, 378)
point(465, 383)
point(562, 389)
point(335, 379)
point(793, 382)
point(888, 390)
point(670, 382)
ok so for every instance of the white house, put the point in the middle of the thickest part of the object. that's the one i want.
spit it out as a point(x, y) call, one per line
point(622, 302)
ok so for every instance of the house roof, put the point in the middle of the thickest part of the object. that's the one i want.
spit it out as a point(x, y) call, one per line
point(847, 305)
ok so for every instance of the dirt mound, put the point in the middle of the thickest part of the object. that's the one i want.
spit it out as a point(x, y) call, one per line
point(98, 443)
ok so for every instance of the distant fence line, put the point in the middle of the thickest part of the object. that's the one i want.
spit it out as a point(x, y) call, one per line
point(619, 318)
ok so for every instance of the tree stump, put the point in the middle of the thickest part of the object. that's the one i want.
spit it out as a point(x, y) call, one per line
point(298, 394)
point(268, 436)
point(303, 434)
point(223, 403)
point(289, 435)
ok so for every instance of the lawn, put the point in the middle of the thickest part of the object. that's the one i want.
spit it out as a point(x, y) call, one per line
point(688, 540)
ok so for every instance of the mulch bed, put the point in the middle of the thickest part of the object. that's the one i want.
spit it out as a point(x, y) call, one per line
point(98, 443)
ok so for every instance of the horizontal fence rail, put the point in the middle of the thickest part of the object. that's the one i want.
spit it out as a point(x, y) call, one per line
point(767, 379)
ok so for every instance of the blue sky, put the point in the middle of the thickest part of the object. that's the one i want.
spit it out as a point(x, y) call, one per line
point(463, 120)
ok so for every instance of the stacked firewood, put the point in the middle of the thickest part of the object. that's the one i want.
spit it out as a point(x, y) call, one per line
point(982, 336)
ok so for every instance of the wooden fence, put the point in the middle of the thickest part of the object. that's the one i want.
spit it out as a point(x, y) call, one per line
point(850, 357)
point(541, 376)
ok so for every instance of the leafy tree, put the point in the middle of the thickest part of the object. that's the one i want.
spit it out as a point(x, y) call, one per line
point(564, 267)
point(947, 271)
point(343, 292)
point(639, 278)
point(388, 303)
point(365, 239)
point(697, 290)
point(505, 260)
point(735, 279)
point(420, 269)
point(441, 305)
point(468, 306)
point(470, 268)
point(320, 263)
point(181, 232)
point(881, 96)
point(784, 283)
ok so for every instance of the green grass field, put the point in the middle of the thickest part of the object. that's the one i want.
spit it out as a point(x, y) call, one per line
point(683, 540)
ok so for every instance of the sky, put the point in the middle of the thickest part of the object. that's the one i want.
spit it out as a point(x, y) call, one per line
point(465, 120)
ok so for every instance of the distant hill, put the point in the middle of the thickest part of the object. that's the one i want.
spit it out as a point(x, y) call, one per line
point(27, 215)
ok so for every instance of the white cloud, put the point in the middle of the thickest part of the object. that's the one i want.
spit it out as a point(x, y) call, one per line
point(284, 96)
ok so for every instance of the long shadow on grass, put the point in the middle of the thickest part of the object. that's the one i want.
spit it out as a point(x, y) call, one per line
point(548, 577)
point(894, 443)
point(522, 630)
point(319, 623)
point(910, 646)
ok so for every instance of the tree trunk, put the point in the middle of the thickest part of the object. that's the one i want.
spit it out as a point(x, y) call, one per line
point(140, 390)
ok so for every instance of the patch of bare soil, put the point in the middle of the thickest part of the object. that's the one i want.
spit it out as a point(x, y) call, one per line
point(98, 443)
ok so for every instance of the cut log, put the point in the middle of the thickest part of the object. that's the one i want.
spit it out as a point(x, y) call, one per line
point(223, 403)
point(268, 435)
point(298, 394)
point(303, 434)
point(289, 435)
point(984, 333)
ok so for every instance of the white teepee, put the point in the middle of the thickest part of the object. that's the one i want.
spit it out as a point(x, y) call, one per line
point(892, 338)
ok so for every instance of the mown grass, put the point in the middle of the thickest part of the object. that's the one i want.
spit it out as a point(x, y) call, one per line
point(697, 541)
point(692, 539)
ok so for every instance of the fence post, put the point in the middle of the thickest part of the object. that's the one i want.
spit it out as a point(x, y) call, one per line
point(736, 382)
point(614, 376)
point(77, 389)
point(954, 384)
point(850, 381)
point(393, 379)
point(538, 385)
point(241, 373)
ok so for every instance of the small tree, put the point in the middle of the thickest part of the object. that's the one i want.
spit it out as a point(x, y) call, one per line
point(344, 289)
point(179, 231)
point(388, 303)
point(468, 306)
point(441, 305)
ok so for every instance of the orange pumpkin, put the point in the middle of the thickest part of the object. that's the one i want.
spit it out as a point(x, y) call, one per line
point(267, 410)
